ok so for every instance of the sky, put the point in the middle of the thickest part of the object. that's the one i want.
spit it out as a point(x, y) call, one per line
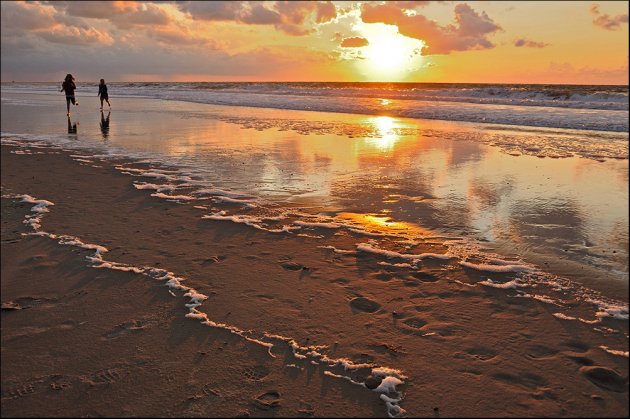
point(570, 42)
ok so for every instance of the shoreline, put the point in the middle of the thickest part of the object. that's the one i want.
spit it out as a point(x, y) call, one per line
point(259, 281)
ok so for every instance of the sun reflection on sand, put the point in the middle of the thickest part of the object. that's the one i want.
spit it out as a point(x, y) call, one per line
point(384, 224)
point(386, 137)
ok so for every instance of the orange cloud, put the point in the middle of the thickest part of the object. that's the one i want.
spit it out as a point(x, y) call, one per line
point(45, 22)
point(605, 21)
point(67, 35)
point(355, 42)
point(469, 32)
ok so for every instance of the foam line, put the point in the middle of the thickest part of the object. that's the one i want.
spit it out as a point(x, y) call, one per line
point(158, 188)
point(506, 285)
point(391, 378)
point(496, 268)
point(368, 248)
point(340, 251)
point(176, 197)
point(614, 351)
point(248, 220)
point(317, 225)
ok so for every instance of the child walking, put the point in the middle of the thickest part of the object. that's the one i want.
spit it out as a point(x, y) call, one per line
point(102, 92)
point(69, 87)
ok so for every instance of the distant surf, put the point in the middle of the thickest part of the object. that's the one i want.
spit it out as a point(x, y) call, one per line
point(598, 108)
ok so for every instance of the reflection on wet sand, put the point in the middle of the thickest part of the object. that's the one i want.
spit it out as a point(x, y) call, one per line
point(72, 128)
point(104, 124)
point(411, 172)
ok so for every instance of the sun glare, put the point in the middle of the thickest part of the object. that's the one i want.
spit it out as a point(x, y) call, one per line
point(389, 56)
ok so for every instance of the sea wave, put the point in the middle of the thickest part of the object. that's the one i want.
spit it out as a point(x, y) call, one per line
point(599, 108)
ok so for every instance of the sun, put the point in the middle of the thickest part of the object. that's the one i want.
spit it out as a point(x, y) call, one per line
point(389, 56)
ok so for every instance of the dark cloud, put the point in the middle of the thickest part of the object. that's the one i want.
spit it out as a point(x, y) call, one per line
point(123, 14)
point(469, 32)
point(291, 17)
point(606, 21)
point(522, 42)
point(355, 42)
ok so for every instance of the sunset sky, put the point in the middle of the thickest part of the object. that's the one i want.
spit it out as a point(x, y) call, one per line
point(416, 41)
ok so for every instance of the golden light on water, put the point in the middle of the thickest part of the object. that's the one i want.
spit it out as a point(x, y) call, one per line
point(383, 224)
point(386, 137)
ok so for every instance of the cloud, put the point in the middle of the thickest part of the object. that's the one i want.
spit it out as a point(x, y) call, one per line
point(123, 14)
point(605, 21)
point(76, 36)
point(469, 31)
point(291, 17)
point(18, 17)
point(522, 42)
point(39, 20)
point(355, 42)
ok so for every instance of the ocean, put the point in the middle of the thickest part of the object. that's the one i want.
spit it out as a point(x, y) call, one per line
point(597, 108)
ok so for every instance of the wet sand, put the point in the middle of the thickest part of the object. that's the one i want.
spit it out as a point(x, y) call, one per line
point(84, 341)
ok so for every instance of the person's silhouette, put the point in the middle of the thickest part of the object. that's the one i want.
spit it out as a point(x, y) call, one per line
point(105, 125)
point(69, 87)
point(72, 128)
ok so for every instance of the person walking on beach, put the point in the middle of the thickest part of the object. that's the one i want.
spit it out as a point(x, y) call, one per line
point(102, 92)
point(69, 87)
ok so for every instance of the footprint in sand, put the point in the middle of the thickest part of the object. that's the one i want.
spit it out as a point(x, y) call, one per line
point(478, 353)
point(425, 276)
point(23, 303)
point(605, 378)
point(256, 373)
point(580, 360)
point(306, 410)
point(106, 376)
point(129, 327)
point(364, 304)
point(576, 346)
point(522, 379)
point(210, 391)
point(292, 266)
point(414, 323)
point(212, 260)
point(267, 400)
point(382, 276)
point(39, 385)
point(540, 352)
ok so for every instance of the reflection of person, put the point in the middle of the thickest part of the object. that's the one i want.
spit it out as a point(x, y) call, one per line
point(105, 125)
point(72, 128)
point(68, 86)
point(102, 92)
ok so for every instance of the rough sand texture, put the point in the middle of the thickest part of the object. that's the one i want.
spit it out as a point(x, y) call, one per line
point(100, 342)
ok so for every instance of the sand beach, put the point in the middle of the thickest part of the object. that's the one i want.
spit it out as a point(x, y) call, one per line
point(190, 260)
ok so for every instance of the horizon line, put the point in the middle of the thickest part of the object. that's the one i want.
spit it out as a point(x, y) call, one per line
point(339, 82)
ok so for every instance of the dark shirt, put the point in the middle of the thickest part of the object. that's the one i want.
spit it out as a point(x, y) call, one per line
point(102, 90)
point(69, 87)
